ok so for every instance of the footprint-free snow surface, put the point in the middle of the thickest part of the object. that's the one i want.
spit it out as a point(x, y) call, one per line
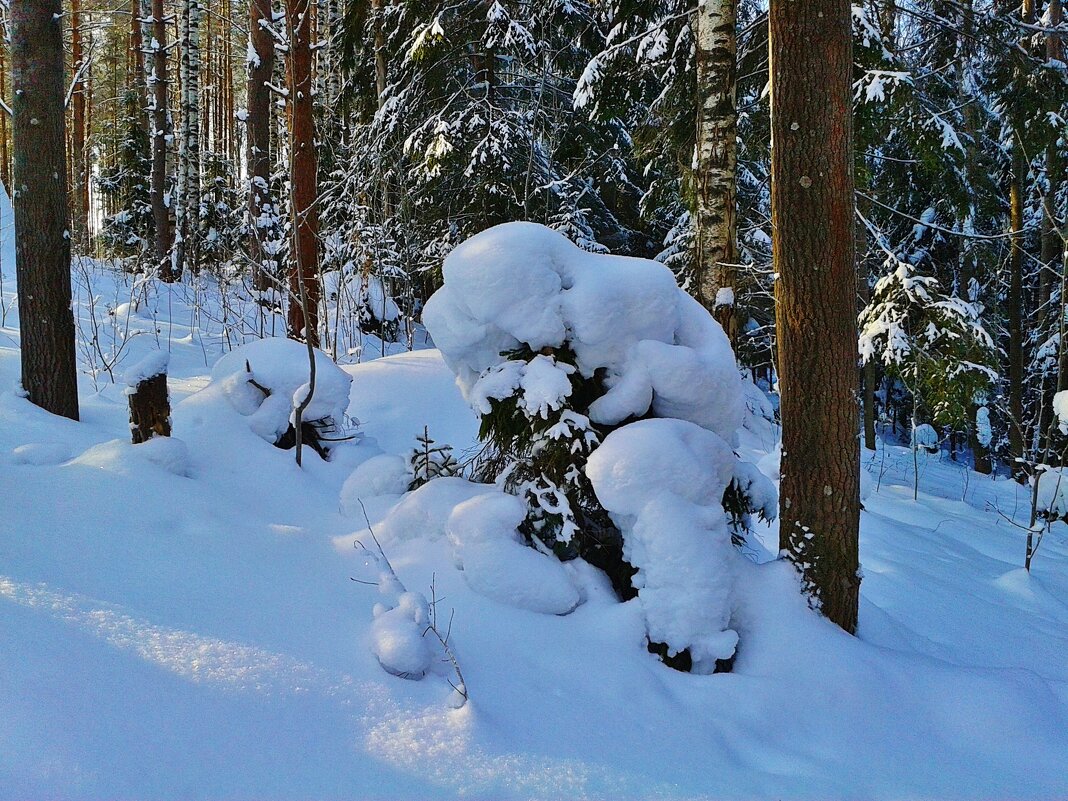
point(178, 620)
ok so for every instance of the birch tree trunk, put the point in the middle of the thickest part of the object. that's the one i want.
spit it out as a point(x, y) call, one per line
point(304, 288)
point(159, 83)
point(813, 252)
point(42, 244)
point(715, 162)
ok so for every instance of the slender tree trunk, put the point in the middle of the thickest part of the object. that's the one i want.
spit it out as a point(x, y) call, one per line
point(1014, 303)
point(42, 245)
point(260, 69)
point(79, 172)
point(159, 84)
point(5, 156)
point(715, 165)
point(813, 251)
point(187, 203)
point(380, 52)
point(304, 284)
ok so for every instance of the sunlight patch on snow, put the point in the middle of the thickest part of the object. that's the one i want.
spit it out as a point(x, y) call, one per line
point(189, 655)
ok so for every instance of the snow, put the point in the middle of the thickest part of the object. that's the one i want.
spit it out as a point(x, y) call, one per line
point(281, 366)
point(1060, 409)
point(525, 284)
point(199, 636)
point(1052, 498)
point(663, 483)
point(924, 436)
point(150, 366)
point(487, 547)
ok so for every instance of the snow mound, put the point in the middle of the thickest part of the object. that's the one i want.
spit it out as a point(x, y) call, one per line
point(397, 639)
point(420, 514)
point(385, 475)
point(498, 565)
point(924, 436)
point(149, 367)
point(41, 453)
point(1053, 493)
point(525, 284)
point(281, 366)
point(663, 482)
point(169, 453)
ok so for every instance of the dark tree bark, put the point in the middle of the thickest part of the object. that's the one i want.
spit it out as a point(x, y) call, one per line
point(150, 409)
point(5, 157)
point(259, 132)
point(79, 168)
point(42, 243)
point(813, 251)
point(304, 288)
point(160, 213)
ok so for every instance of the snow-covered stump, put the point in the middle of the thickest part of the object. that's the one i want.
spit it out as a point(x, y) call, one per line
point(150, 405)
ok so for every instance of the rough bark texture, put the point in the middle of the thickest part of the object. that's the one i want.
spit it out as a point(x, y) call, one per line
point(715, 166)
point(79, 170)
point(813, 251)
point(159, 84)
point(42, 245)
point(150, 409)
point(259, 132)
point(1014, 303)
point(304, 269)
point(187, 203)
point(5, 156)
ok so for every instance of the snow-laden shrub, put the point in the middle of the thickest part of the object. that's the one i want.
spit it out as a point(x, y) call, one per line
point(268, 378)
point(558, 348)
point(1052, 497)
point(925, 437)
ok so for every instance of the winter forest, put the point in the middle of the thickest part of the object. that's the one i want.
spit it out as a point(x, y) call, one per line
point(533, 399)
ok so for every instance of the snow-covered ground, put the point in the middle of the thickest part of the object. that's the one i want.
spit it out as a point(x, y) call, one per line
point(181, 622)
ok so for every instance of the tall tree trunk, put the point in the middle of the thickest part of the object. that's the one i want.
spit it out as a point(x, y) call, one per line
point(1014, 302)
point(42, 245)
point(813, 251)
point(159, 84)
point(5, 156)
point(79, 172)
point(260, 69)
point(304, 287)
point(380, 52)
point(187, 203)
point(716, 162)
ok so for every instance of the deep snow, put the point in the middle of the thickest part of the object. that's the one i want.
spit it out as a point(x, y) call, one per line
point(180, 622)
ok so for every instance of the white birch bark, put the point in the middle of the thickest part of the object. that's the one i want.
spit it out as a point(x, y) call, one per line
point(715, 159)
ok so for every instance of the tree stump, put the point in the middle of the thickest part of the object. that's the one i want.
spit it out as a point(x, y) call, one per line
point(150, 409)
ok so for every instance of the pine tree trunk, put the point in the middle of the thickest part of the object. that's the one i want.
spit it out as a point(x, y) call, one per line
point(716, 163)
point(1014, 304)
point(79, 172)
point(304, 284)
point(259, 133)
point(42, 246)
point(5, 156)
point(813, 251)
point(159, 84)
point(187, 203)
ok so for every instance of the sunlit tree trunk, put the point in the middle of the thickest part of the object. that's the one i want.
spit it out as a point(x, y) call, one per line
point(304, 285)
point(160, 124)
point(716, 160)
point(258, 122)
point(813, 252)
point(42, 243)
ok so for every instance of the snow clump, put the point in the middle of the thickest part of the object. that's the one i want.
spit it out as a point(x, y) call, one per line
point(280, 366)
point(522, 284)
point(663, 481)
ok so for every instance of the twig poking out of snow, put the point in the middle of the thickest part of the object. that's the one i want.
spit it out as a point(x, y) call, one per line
point(398, 635)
